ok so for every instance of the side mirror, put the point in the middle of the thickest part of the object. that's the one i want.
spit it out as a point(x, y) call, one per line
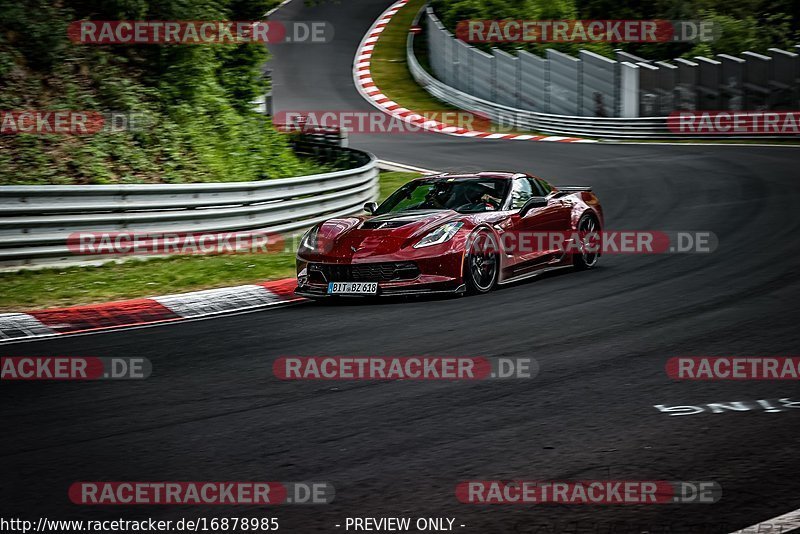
point(370, 207)
point(532, 203)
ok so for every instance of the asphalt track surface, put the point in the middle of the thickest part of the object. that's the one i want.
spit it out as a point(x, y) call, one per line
point(212, 411)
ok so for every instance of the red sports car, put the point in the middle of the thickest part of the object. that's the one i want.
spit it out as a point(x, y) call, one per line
point(452, 233)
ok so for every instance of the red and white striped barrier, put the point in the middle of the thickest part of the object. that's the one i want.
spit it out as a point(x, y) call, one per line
point(136, 312)
point(366, 86)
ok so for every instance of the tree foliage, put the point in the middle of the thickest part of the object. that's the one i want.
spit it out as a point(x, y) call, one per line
point(196, 98)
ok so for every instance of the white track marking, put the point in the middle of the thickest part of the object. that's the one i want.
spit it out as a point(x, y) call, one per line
point(215, 315)
point(276, 8)
point(11, 323)
point(394, 166)
point(783, 524)
point(220, 300)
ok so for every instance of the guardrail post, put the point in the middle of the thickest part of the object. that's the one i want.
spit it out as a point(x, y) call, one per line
point(507, 69)
point(686, 89)
point(483, 74)
point(629, 89)
point(564, 83)
point(708, 83)
point(785, 78)
point(756, 81)
point(533, 80)
point(599, 85)
point(666, 80)
point(731, 82)
point(648, 96)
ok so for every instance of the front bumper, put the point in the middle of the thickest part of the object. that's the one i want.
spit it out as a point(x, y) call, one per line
point(437, 274)
point(317, 292)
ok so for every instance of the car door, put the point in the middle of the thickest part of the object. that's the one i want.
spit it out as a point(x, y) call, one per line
point(525, 243)
point(560, 215)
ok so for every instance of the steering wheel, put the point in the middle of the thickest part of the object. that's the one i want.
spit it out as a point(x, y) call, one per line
point(495, 203)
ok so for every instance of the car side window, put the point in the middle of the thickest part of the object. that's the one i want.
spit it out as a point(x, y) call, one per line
point(521, 192)
point(544, 187)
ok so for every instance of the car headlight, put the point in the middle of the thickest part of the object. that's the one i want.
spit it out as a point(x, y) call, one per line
point(309, 240)
point(444, 233)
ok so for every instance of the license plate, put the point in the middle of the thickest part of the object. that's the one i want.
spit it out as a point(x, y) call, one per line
point(352, 288)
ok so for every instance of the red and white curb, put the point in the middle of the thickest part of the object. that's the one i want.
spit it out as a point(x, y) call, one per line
point(372, 93)
point(145, 311)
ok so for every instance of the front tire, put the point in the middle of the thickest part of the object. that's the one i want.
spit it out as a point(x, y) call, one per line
point(481, 263)
point(590, 243)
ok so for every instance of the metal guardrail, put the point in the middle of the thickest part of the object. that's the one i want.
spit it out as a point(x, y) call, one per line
point(572, 126)
point(36, 221)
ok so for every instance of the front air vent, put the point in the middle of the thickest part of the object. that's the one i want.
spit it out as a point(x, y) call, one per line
point(363, 272)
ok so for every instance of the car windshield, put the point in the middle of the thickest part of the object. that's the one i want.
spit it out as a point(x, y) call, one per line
point(464, 195)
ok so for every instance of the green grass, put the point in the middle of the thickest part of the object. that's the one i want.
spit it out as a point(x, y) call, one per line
point(71, 286)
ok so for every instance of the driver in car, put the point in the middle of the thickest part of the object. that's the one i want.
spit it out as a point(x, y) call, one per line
point(437, 197)
point(490, 202)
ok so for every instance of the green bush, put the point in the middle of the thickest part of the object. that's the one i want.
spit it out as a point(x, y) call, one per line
point(194, 99)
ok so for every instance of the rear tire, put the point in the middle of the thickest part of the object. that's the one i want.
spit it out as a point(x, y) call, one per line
point(481, 263)
point(589, 232)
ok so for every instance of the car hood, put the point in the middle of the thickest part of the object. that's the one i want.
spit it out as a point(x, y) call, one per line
point(353, 237)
